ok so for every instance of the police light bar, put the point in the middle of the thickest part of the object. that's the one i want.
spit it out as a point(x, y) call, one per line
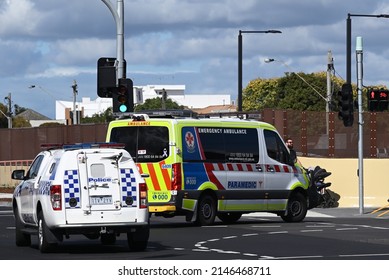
point(76, 146)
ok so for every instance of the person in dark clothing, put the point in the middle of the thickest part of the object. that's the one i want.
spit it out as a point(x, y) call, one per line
point(289, 144)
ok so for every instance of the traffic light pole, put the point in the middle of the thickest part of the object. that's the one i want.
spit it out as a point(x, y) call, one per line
point(359, 52)
point(118, 16)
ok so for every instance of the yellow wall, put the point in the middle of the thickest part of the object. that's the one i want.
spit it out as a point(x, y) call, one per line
point(345, 181)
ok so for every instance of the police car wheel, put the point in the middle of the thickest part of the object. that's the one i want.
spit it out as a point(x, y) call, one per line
point(44, 245)
point(297, 208)
point(22, 239)
point(206, 211)
point(138, 240)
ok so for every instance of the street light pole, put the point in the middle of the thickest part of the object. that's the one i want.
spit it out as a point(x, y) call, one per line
point(348, 41)
point(240, 62)
point(118, 16)
point(359, 53)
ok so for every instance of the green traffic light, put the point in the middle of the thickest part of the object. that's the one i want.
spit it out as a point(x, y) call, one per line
point(123, 108)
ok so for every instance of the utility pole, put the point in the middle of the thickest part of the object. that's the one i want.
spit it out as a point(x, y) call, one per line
point(9, 117)
point(75, 91)
point(330, 67)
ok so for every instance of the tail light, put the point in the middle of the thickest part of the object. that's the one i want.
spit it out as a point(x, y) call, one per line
point(56, 197)
point(143, 195)
point(176, 177)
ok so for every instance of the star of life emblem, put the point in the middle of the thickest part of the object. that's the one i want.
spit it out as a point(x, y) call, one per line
point(190, 142)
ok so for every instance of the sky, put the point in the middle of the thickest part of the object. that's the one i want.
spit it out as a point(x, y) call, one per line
point(51, 44)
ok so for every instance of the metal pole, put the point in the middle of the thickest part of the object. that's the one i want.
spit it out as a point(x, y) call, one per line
point(240, 58)
point(74, 86)
point(348, 49)
point(240, 71)
point(330, 67)
point(359, 53)
point(120, 40)
point(118, 16)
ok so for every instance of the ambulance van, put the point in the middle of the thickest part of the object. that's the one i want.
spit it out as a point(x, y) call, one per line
point(214, 167)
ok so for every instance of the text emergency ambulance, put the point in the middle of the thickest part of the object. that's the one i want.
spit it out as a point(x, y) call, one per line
point(223, 167)
point(90, 189)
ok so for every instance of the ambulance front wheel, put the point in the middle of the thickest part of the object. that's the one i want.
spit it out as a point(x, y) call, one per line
point(296, 209)
point(206, 211)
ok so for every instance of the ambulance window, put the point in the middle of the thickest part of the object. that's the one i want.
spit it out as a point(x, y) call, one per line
point(241, 145)
point(211, 140)
point(144, 143)
point(275, 147)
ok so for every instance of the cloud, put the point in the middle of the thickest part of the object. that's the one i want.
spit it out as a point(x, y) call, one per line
point(191, 42)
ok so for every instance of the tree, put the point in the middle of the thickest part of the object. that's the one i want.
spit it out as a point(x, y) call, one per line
point(297, 91)
point(20, 122)
point(3, 119)
point(104, 117)
point(156, 103)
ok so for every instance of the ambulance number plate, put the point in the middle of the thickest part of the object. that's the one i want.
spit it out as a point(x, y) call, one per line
point(101, 200)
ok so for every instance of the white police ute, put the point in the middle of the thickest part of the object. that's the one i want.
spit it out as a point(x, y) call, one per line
point(90, 189)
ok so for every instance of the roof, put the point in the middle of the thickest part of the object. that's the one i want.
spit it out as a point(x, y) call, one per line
point(216, 109)
point(30, 114)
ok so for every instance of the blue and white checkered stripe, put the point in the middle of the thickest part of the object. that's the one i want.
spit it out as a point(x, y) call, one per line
point(72, 187)
point(128, 185)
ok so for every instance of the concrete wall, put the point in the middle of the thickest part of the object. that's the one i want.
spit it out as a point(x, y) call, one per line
point(344, 179)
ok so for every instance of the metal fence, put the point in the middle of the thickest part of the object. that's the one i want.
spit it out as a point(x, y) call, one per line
point(315, 134)
point(25, 143)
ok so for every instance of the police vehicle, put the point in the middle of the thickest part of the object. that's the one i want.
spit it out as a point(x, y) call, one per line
point(215, 167)
point(90, 189)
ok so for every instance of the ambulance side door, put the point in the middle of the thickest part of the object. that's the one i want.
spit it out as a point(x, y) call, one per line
point(245, 175)
point(278, 169)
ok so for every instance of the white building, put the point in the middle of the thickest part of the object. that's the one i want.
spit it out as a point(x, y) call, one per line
point(142, 93)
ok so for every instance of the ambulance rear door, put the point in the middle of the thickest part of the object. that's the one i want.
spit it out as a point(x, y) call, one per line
point(152, 146)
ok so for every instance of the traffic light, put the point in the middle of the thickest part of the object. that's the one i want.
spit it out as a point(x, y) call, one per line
point(106, 76)
point(122, 97)
point(346, 106)
point(378, 100)
point(383, 104)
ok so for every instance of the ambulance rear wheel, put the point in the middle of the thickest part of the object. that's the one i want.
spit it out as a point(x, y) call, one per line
point(229, 218)
point(206, 212)
point(296, 209)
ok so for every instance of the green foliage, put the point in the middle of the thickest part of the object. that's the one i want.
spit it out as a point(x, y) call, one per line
point(296, 91)
point(50, 124)
point(104, 117)
point(20, 122)
point(156, 103)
